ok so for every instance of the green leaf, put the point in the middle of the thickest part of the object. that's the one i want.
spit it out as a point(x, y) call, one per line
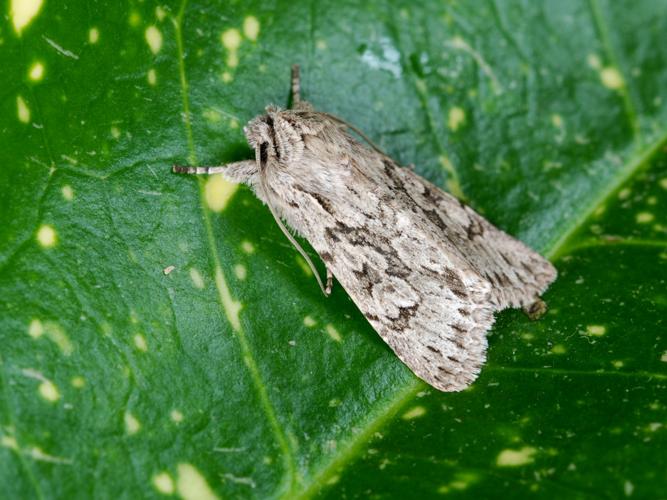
point(160, 336)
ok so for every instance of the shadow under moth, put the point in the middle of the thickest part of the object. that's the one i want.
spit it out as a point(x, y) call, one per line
point(426, 270)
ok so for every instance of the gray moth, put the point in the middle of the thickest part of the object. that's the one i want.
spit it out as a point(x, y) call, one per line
point(426, 270)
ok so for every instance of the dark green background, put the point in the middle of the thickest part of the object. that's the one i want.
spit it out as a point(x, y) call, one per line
point(562, 145)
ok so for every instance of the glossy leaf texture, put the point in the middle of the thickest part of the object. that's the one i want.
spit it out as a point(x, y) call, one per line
point(160, 336)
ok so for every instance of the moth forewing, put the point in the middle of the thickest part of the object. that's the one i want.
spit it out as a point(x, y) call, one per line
point(427, 271)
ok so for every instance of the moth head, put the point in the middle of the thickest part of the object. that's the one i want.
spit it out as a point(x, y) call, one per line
point(275, 136)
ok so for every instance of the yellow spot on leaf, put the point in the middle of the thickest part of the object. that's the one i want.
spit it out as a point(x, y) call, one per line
point(309, 321)
point(22, 110)
point(663, 358)
point(644, 217)
point(247, 247)
point(557, 121)
point(151, 76)
point(617, 364)
point(232, 308)
point(416, 412)
point(251, 28)
point(160, 13)
point(93, 35)
point(516, 458)
point(456, 118)
point(49, 391)
point(611, 78)
point(176, 416)
point(663, 183)
point(231, 40)
point(218, 192)
point(140, 342)
point(115, 132)
point(55, 333)
point(558, 349)
point(191, 485)
point(240, 271)
point(78, 382)
point(154, 39)
point(594, 61)
point(23, 12)
point(68, 192)
point(321, 45)
point(9, 442)
point(134, 19)
point(46, 236)
point(36, 72)
point(35, 329)
point(196, 277)
point(624, 194)
point(163, 483)
point(226, 77)
point(132, 425)
point(596, 330)
point(333, 333)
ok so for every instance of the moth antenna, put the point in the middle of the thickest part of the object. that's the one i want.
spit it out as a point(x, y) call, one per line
point(325, 290)
point(178, 169)
point(296, 85)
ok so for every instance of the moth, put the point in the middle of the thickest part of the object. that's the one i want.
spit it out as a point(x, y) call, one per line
point(426, 270)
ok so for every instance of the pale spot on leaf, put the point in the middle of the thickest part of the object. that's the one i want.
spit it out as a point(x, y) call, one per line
point(611, 78)
point(115, 132)
point(151, 76)
point(153, 39)
point(46, 236)
point(251, 28)
point(68, 192)
point(93, 35)
point(218, 192)
point(9, 442)
point(596, 330)
point(231, 40)
point(23, 12)
point(558, 349)
point(309, 321)
point(663, 358)
point(594, 61)
point(247, 247)
point(663, 183)
point(416, 412)
point(226, 77)
point(644, 217)
point(240, 271)
point(192, 485)
point(232, 307)
point(516, 458)
point(163, 483)
point(333, 333)
point(140, 342)
point(197, 279)
point(132, 425)
point(22, 110)
point(176, 416)
point(35, 329)
point(456, 118)
point(78, 382)
point(49, 391)
point(624, 194)
point(36, 72)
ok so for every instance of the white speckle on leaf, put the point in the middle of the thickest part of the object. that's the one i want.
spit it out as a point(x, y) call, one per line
point(23, 12)
point(36, 72)
point(412, 413)
point(628, 488)
point(196, 277)
point(93, 35)
point(176, 416)
point(68, 192)
point(389, 60)
point(47, 236)
point(231, 40)
point(611, 78)
point(168, 270)
point(333, 333)
point(596, 330)
point(151, 77)
point(49, 391)
point(163, 483)
point(251, 28)
point(663, 358)
point(516, 458)
point(247, 247)
point(456, 118)
point(218, 192)
point(132, 425)
point(240, 271)
point(140, 342)
point(22, 110)
point(35, 329)
point(153, 39)
point(644, 217)
point(309, 321)
point(192, 485)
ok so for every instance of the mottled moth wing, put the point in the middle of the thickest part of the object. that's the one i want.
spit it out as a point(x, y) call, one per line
point(389, 239)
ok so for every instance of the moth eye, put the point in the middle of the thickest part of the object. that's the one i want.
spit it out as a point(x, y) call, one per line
point(263, 155)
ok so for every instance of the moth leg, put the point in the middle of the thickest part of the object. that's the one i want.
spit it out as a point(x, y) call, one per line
point(238, 172)
point(535, 310)
point(327, 290)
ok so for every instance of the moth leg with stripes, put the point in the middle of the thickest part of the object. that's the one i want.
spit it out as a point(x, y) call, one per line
point(426, 270)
